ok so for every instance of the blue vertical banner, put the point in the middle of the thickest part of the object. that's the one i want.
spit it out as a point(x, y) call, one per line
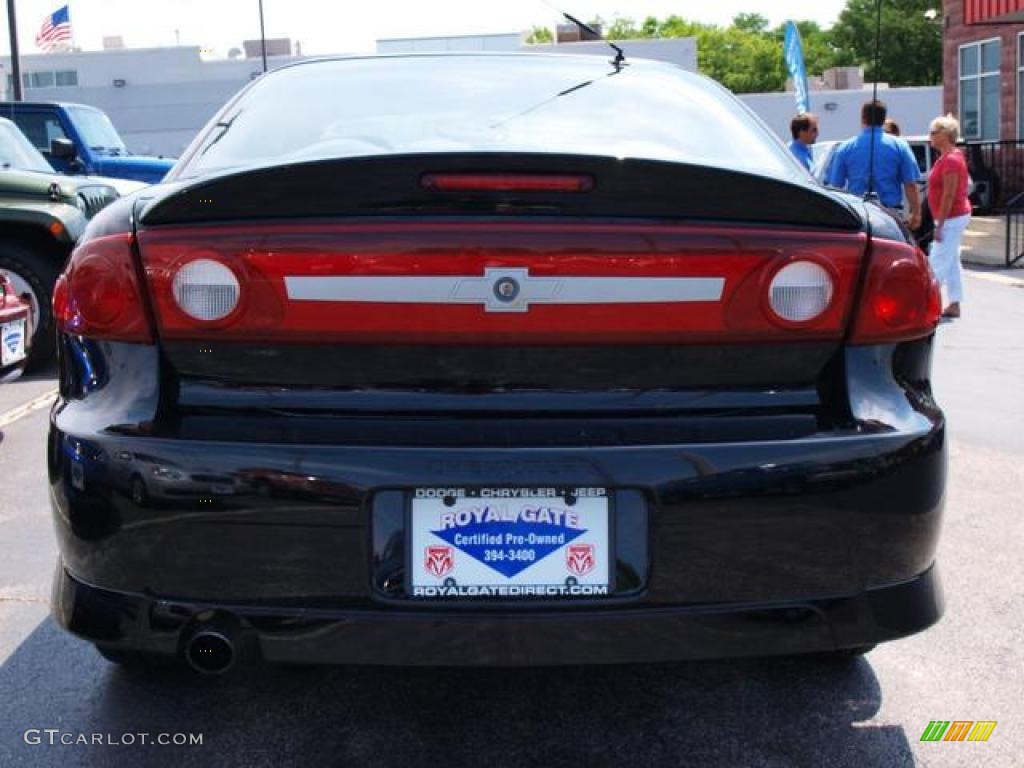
point(793, 53)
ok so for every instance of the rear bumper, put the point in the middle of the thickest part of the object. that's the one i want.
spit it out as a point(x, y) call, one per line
point(430, 638)
point(715, 523)
point(720, 548)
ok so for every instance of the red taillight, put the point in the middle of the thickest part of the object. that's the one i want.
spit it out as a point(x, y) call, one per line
point(98, 294)
point(499, 283)
point(506, 182)
point(901, 297)
point(60, 301)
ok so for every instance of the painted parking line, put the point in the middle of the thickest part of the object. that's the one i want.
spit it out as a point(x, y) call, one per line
point(45, 400)
point(994, 277)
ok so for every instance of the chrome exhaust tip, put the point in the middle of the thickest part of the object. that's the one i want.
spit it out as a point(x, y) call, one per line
point(210, 652)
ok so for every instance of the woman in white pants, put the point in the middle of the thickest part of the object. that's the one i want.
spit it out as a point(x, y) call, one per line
point(951, 210)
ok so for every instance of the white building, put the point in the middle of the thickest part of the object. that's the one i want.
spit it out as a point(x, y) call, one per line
point(681, 51)
point(839, 111)
point(158, 98)
point(454, 43)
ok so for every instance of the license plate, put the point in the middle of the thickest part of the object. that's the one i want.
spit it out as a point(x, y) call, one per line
point(12, 342)
point(509, 543)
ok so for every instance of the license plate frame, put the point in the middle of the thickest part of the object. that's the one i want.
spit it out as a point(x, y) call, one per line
point(592, 555)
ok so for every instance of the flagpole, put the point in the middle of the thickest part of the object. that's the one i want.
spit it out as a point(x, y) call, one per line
point(12, 23)
point(263, 39)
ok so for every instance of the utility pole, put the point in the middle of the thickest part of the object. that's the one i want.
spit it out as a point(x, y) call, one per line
point(263, 38)
point(12, 24)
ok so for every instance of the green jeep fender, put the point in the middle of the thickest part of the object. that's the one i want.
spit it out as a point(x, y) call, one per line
point(63, 223)
point(36, 238)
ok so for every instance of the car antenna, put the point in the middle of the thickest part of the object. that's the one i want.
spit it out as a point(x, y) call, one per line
point(620, 56)
point(870, 193)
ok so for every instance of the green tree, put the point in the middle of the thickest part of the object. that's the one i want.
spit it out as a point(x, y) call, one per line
point(747, 55)
point(676, 26)
point(742, 61)
point(650, 27)
point(623, 29)
point(751, 22)
point(744, 57)
point(910, 44)
point(540, 35)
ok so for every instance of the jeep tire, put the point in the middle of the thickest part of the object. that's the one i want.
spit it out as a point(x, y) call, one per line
point(37, 271)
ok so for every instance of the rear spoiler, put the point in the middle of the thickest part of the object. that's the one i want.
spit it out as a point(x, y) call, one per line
point(393, 185)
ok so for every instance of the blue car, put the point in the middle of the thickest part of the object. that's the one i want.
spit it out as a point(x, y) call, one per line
point(78, 139)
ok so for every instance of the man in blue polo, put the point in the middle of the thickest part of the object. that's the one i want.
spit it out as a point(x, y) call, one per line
point(804, 128)
point(895, 169)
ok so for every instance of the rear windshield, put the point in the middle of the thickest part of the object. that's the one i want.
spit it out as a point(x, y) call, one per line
point(556, 104)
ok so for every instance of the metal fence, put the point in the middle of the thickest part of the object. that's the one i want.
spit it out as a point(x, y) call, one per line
point(1014, 229)
point(997, 168)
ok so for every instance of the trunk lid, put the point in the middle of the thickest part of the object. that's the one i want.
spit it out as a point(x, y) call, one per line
point(358, 274)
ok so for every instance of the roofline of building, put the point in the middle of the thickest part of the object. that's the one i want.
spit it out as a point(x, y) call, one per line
point(124, 51)
point(447, 37)
point(105, 51)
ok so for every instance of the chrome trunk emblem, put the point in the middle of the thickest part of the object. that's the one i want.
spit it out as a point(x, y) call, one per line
point(506, 289)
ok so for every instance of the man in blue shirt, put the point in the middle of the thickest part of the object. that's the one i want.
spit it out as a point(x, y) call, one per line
point(895, 169)
point(804, 128)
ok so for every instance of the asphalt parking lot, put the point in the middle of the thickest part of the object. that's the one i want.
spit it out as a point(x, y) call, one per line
point(766, 712)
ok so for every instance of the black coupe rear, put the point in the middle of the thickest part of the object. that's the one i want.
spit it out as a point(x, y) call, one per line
point(498, 360)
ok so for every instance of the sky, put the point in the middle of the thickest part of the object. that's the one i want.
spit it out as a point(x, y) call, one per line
point(347, 26)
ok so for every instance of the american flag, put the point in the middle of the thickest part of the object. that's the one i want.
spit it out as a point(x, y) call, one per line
point(56, 31)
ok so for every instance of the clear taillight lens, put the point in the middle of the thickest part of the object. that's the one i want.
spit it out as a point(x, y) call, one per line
point(206, 290)
point(800, 291)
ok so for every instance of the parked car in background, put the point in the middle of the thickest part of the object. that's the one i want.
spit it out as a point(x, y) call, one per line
point(42, 213)
point(15, 331)
point(80, 140)
point(508, 359)
point(150, 480)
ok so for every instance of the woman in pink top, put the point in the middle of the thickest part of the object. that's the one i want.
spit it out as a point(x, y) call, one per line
point(947, 199)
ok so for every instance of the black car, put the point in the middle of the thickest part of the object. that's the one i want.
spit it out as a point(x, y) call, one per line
point(505, 359)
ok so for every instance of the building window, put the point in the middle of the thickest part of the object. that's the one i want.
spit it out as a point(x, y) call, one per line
point(1020, 85)
point(979, 90)
point(42, 80)
point(64, 78)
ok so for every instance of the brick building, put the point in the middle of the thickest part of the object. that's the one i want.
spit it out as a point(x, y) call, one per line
point(983, 85)
point(983, 67)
